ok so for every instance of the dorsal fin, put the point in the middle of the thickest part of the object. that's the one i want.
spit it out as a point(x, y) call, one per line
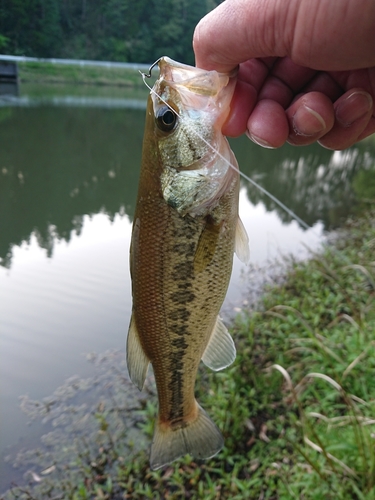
point(220, 351)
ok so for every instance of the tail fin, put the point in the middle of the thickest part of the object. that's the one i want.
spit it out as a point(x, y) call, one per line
point(201, 438)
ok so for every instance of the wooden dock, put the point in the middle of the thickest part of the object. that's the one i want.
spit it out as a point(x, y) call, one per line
point(8, 71)
point(8, 78)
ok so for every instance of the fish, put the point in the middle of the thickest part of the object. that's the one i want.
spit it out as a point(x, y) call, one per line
point(186, 229)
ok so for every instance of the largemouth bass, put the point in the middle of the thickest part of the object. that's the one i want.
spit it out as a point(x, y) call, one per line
point(185, 231)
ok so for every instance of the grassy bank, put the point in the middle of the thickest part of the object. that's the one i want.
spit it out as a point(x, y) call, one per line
point(86, 75)
point(297, 408)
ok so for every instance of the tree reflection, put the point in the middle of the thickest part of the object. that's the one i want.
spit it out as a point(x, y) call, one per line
point(58, 164)
point(317, 184)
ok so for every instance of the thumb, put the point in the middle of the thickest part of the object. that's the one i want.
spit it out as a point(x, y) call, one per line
point(320, 34)
point(238, 30)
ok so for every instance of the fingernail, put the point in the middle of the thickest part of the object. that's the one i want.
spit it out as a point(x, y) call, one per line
point(259, 141)
point(307, 122)
point(353, 107)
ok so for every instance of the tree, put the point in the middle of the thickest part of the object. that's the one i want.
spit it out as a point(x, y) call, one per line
point(32, 26)
point(120, 30)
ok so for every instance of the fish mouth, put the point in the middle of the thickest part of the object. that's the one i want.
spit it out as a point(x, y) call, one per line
point(199, 81)
point(165, 60)
point(195, 90)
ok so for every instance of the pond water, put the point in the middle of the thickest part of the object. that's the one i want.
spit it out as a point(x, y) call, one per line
point(69, 167)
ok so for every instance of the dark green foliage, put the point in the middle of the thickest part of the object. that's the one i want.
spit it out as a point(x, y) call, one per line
point(118, 30)
point(32, 27)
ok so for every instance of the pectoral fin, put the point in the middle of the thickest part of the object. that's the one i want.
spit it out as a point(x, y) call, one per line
point(220, 351)
point(137, 360)
point(206, 245)
point(241, 244)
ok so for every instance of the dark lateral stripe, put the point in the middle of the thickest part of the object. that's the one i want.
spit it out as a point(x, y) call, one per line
point(180, 314)
point(183, 296)
point(176, 386)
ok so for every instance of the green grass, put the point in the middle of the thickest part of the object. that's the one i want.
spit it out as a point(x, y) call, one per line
point(297, 408)
point(86, 75)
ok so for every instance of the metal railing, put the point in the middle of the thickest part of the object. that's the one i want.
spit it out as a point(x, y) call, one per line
point(71, 101)
point(76, 62)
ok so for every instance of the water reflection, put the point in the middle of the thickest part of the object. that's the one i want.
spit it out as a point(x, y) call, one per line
point(52, 311)
point(9, 89)
point(317, 184)
point(59, 163)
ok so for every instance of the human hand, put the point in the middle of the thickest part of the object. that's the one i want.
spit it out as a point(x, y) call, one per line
point(306, 68)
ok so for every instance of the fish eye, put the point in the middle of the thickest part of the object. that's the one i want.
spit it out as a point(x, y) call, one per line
point(166, 119)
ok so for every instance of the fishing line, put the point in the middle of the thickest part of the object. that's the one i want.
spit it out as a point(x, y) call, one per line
point(251, 181)
point(304, 224)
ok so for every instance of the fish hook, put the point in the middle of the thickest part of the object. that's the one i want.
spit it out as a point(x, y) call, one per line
point(148, 75)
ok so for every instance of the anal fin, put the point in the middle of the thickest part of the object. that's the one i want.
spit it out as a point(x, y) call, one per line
point(136, 358)
point(220, 351)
